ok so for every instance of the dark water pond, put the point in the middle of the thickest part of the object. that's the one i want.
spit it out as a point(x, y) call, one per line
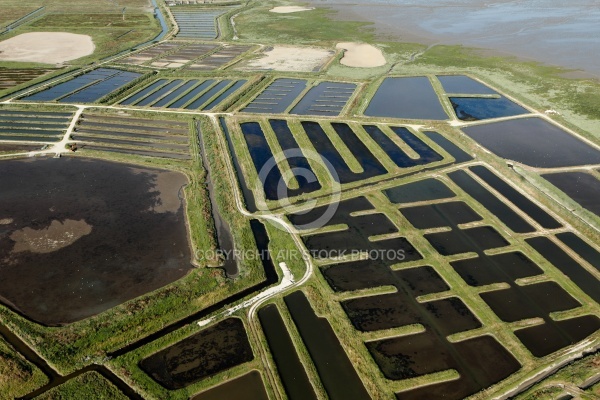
point(87, 235)
point(545, 339)
point(288, 143)
point(534, 142)
point(523, 302)
point(213, 104)
point(212, 350)
point(466, 240)
point(246, 387)
point(440, 215)
point(463, 84)
point(175, 94)
point(290, 368)
point(581, 187)
point(581, 247)
point(197, 104)
point(494, 205)
point(369, 163)
point(423, 190)
point(246, 192)
point(159, 93)
point(480, 361)
point(477, 108)
point(505, 267)
point(456, 152)
point(144, 92)
point(333, 365)
point(179, 103)
point(98, 90)
point(567, 265)
point(518, 199)
point(371, 166)
point(406, 98)
point(261, 154)
point(327, 98)
point(277, 97)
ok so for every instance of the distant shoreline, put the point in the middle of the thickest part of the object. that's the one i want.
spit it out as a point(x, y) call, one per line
point(390, 26)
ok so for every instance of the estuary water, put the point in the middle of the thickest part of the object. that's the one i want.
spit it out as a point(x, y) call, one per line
point(554, 32)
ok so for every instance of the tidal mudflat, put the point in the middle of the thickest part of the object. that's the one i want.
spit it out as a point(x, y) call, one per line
point(87, 235)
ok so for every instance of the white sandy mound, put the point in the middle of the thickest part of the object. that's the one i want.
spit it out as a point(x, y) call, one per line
point(46, 47)
point(290, 9)
point(361, 55)
point(291, 58)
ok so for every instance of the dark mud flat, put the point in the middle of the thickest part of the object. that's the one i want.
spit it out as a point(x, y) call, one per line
point(567, 265)
point(545, 339)
point(295, 160)
point(581, 187)
point(477, 108)
point(505, 267)
point(356, 237)
point(492, 203)
point(488, 362)
point(440, 215)
point(518, 199)
point(246, 387)
point(213, 350)
point(407, 98)
point(523, 302)
point(415, 355)
point(463, 84)
point(581, 247)
point(424, 190)
point(466, 240)
point(374, 313)
point(456, 152)
point(117, 232)
point(291, 370)
point(534, 142)
point(335, 369)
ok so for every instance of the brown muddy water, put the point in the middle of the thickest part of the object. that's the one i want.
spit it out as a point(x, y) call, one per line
point(210, 351)
point(87, 235)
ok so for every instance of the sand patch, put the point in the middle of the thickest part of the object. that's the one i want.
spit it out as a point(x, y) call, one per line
point(361, 55)
point(55, 237)
point(290, 58)
point(46, 47)
point(289, 9)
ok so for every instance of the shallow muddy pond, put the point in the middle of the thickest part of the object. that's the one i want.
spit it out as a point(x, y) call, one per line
point(212, 350)
point(87, 235)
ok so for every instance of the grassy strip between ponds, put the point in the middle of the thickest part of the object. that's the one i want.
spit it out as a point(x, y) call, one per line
point(90, 385)
point(17, 375)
